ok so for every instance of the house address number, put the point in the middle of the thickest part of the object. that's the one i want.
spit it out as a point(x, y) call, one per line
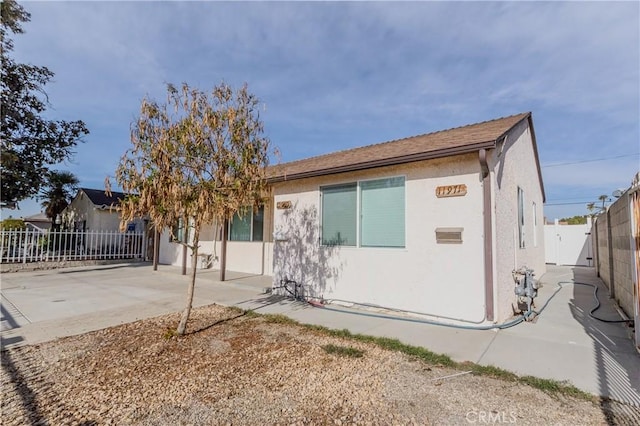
point(283, 205)
point(451, 191)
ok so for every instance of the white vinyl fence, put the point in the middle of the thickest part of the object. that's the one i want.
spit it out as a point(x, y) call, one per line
point(33, 245)
point(568, 244)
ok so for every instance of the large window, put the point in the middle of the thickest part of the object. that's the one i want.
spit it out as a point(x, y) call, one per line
point(339, 223)
point(377, 220)
point(177, 232)
point(247, 225)
point(382, 213)
point(521, 217)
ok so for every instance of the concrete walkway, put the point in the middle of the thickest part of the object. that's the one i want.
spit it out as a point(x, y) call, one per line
point(564, 343)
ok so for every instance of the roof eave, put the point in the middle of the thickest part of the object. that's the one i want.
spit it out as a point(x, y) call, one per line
point(447, 152)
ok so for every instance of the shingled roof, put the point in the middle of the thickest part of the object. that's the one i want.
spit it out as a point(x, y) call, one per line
point(99, 198)
point(459, 140)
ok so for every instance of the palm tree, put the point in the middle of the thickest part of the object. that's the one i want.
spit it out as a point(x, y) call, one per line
point(57, 192)
point(604, 198)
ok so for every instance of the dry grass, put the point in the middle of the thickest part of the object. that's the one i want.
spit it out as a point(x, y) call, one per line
point(241, 368)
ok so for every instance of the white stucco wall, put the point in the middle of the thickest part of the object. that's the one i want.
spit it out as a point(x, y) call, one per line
point(78, 210)
point(513, 166)
point(242, 256)
point(443, 280)
point(81, 208)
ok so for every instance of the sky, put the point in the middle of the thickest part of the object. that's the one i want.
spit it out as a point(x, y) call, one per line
point(338, 75)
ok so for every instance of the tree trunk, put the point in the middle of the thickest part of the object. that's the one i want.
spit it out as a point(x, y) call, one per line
point(184, 259)
point(223, 249)
point(182, 327)
point(156, 248)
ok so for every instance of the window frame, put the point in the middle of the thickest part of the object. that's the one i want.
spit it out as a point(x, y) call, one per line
point(177, 232)
point(535, 224)
point(322, 197)
point(521, 218)
point(358, 205)
point(252, 238)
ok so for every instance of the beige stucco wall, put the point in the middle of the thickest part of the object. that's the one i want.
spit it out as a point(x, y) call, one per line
point(443, 280)
point(512, 166)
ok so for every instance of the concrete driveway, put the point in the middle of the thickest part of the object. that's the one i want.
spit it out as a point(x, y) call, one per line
point(44, 305)
point(565, 343)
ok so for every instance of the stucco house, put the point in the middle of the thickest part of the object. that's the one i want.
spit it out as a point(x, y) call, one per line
point(38, 221)
point(431, 224)
point(94, 210)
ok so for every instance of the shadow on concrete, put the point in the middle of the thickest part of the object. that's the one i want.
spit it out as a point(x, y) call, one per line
point(271, 300)
point(12, 324)
point(617, 361)
point(241, 276)
point(105, 268)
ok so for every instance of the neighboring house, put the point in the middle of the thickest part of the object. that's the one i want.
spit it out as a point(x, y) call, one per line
point(432, 224)
point(94, 210)
point(38, 221)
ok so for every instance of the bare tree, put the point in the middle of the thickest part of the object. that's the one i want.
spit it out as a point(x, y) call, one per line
point(200, 157)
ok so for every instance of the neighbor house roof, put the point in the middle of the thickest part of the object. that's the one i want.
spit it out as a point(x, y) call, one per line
point(100, 198)
point(459, 140)
point(38, 217)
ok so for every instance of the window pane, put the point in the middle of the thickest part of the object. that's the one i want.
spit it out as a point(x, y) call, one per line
point(339, 215)
point(241, 226)
point(521, 217)
point(177, 232)
point(382, 213)
point(258, 224)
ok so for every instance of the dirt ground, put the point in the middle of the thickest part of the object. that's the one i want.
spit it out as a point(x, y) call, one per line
point(232, 369)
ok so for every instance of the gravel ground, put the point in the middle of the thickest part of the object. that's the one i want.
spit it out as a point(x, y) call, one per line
point(247, 370)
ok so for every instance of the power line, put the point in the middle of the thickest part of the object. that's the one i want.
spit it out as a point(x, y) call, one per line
point(592, 160)
point(568, 204)
point(574, 198)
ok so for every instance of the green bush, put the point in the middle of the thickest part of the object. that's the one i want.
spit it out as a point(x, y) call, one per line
point(9, 224)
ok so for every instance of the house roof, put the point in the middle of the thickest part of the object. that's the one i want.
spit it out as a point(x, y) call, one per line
point(444, 143)
point(38, 217)
point(100, 198)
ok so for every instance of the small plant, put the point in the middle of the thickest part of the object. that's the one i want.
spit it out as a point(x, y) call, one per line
point(348, 351)
point(169, 334)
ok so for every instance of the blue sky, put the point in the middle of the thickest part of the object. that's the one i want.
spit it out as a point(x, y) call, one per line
point(333, 76)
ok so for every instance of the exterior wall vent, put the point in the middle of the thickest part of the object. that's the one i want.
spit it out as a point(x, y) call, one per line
point(449, 235)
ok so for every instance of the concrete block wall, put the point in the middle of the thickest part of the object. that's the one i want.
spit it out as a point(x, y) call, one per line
point(622, 254)
point(614, 253)
point(601, 249)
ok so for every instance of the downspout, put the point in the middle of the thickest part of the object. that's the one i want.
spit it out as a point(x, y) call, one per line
point(488, 235)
